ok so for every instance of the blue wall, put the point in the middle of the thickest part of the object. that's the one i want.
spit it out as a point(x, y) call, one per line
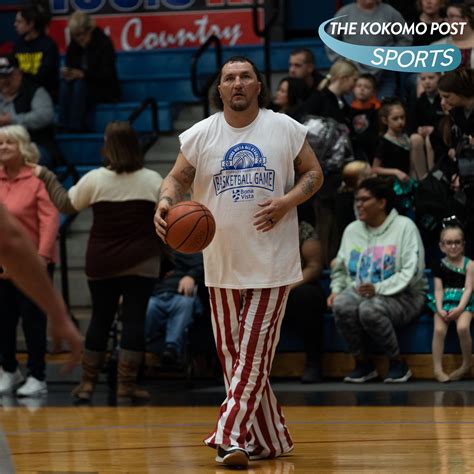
point(8, 9)
point(304, 15)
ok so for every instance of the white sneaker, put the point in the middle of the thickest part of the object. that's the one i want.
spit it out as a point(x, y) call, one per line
point(10, 381)
point(32, 388)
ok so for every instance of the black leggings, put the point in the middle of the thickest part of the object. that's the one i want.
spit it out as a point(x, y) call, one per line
point(106, 293)
point(13, 306)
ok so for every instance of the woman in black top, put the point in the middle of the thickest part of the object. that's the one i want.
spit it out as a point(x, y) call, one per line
point(457, 91)
point(291, 93)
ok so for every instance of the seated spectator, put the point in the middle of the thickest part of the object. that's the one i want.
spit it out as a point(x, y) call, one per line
point(373, 11)
point(173, 305)
point(377, 282)
point(123, 253)
point(89, 75)
point(431, 12)
point(25, 196)
point(461, 12)
point(306, 302)
point(427, 114)
point(302, 65)
point(36, 52)
point(364, 107)
point(23, 102)
point(392, 157)
point(452, 301)
point(291, 93)
point(328, 100)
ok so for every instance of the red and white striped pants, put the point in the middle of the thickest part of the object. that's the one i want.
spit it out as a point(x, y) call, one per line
point(246, 326)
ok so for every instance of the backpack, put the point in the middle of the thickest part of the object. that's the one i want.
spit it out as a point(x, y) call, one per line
point(330, 141)
point(435, 200)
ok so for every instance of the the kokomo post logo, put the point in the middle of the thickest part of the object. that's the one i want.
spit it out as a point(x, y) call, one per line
point(430, 58)
point(243, 169)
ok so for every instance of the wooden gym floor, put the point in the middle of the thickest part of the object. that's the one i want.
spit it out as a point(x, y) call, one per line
point(418, 427)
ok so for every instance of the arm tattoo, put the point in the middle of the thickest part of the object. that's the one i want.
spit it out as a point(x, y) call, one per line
point(308, 182)
point(188, 174)
point(171, 190)
point(166, 198)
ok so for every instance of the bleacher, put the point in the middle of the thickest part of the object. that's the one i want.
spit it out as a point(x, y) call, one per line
point(165, 76)
point(414, 339)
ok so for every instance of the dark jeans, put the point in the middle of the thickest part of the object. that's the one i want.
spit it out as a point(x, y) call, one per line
point(75, 105)
point(168, 316)
point(13, 305)
point(135, 292)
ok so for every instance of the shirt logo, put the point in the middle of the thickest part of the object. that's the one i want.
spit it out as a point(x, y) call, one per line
point(243, 168)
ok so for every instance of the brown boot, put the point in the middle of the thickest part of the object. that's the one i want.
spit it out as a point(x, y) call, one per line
point(92, 362)
point(127, 372)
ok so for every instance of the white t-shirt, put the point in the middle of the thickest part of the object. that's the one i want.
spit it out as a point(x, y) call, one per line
point(237, 168)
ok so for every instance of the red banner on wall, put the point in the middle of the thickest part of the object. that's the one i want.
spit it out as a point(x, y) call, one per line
point(169, 30)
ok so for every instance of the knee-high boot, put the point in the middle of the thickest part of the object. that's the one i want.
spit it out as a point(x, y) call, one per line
point(127, 372)
point(92, 363)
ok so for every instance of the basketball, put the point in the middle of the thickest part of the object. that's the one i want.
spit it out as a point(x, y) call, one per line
point(191, 227)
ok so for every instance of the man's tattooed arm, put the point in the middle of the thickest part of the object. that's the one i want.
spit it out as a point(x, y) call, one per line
point(309, 177)
point(177, 183)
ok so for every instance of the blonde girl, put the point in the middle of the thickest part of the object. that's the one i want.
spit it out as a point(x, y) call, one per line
point(452, 301)
point(341, 78)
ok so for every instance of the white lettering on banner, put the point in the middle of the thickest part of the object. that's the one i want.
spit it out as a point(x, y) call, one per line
point(152, 40)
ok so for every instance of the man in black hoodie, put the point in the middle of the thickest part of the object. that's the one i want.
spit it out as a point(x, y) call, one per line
point(36, 52)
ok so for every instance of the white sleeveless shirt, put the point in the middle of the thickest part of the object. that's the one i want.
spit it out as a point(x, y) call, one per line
point(237, 168)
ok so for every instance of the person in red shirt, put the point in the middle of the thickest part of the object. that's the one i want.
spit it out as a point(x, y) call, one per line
point(22, 265)
point(25, 196)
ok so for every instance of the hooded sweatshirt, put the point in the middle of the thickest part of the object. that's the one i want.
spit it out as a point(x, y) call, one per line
point(391, 257)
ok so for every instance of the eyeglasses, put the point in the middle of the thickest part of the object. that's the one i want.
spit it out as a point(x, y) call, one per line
point(452, 243)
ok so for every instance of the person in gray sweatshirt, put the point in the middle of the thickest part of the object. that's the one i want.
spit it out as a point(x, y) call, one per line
point(377, 281)
point(371, 11)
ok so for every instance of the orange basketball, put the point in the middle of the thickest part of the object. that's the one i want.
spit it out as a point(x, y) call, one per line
point(191, 227)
